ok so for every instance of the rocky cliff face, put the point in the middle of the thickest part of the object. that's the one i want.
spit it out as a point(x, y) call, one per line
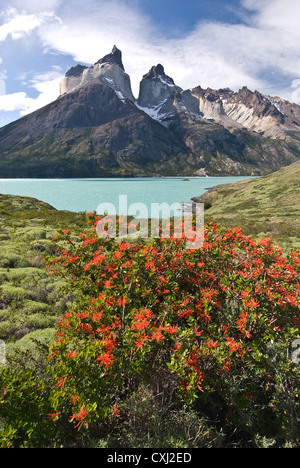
point(163, 100)
point(155, 88)
point(96, 128)
point(242, 109)
point(108, 70)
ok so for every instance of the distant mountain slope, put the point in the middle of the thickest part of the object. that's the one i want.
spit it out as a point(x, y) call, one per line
point(88, 132)
point(96, 128)
point(268, 205)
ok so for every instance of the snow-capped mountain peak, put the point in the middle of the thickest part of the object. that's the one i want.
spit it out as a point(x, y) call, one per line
point(109, 70)
point(162, 99)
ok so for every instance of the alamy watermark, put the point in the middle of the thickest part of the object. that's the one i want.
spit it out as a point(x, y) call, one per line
point(178, 220)
point(296, 351)
point(2, 352)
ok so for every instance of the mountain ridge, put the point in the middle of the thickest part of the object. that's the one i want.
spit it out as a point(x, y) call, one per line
point(156, 87)
point(97, 128)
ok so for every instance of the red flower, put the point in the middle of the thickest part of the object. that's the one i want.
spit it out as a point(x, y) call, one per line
point(61, 381)
point(116, 411)
point(80, 417)
point(251, 303)
point(122, 301)
point(106, 359)
point(53, 416)
point(157, 335)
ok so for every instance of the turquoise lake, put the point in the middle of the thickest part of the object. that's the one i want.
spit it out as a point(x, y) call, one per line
point(86, 194)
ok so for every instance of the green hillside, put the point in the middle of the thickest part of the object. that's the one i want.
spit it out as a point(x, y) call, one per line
point(30, 299)
point(268, 206)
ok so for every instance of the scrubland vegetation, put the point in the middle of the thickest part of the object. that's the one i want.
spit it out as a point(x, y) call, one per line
point(111, 343)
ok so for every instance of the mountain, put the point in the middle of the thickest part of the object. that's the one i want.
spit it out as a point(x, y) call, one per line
point(268, 206)
point(108, 70)
point(96, 128)
point(155, 88)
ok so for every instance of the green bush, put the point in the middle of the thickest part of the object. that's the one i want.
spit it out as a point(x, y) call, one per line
point(13, 261)
point(32, 233)
point(24, 276)
point(164, 346)
point(39, 321)
point(32, 342)
point(9, 293)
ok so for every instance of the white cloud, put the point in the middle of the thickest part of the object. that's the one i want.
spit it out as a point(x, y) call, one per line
point(17, 25)
point(255, 53)
point(14, 101)
point(276, 14)
point(278, 33)
point(213, 54)
point(258, 53)
point(36, 6)
point(47, 86)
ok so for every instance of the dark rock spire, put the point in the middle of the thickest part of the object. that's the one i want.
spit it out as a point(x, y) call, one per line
point(114, 57)
point(156, 72)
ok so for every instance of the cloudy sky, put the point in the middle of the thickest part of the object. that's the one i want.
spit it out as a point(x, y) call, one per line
point(216, 43)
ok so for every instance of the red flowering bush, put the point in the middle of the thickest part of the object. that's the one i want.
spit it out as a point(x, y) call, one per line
point(218, 320)
point(204, 314)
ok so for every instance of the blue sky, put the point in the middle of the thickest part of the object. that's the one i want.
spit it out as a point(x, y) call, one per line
point(228, 43)
point(183, 16)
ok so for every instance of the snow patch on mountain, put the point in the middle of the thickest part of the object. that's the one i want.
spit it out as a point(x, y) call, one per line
point(156, 112)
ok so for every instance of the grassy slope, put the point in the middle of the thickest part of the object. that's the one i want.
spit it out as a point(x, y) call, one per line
point(266, 206)
point(30, 300)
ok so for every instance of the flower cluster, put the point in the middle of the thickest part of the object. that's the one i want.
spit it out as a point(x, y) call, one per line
point(202, 314)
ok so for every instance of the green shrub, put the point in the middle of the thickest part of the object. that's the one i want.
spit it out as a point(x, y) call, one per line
point(13, 261)
point(159, 335)
point(32, 233)
point(9, 293)
point(39, 321)
point(32, 342)
point(25, 276)
point(6, 329)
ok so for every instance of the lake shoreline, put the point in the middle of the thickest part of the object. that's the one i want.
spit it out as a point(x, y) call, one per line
point(85, 195)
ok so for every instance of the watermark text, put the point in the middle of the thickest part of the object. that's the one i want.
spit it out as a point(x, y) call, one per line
point(177, 221)
point(2, 352)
